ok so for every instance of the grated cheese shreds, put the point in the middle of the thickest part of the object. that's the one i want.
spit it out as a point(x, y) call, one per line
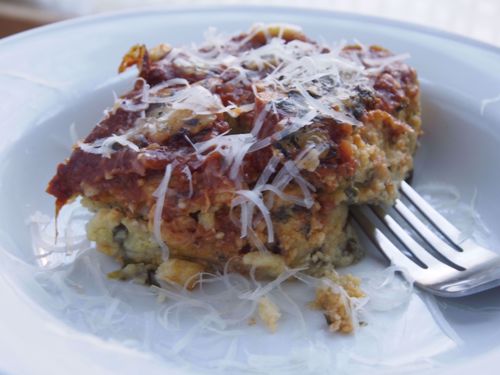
point(160, 195)
point(107, 146)
point(297, 66)
point(311, 79)
point(233, 149)
point(248, 199)
point(189, 176)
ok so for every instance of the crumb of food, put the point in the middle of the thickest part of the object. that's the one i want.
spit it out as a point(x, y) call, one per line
point(269, 313)
point(350, 283)
point(252, 321)
point(136, 271)
point(335, 308)
point(159, 52)
point(271, 264)
point(178, 271)
point(335, 304)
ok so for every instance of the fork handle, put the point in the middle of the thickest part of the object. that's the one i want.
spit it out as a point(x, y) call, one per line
point(476, 282)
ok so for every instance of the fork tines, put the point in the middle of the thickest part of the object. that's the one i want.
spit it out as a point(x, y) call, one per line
point(439, 263)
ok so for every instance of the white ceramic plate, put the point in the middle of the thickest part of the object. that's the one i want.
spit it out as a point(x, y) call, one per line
point(64, 73)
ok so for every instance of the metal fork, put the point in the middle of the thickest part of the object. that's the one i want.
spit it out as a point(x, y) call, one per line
point(455, 269)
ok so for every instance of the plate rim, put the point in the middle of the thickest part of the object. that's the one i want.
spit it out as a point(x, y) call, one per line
point(174, 8)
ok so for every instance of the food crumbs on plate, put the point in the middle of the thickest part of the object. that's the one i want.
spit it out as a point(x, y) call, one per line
point(181, 272)
point(335, 308)
point(335, 304)
point(350, 283)
point(269, 313)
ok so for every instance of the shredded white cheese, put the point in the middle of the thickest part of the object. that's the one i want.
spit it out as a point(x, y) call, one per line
point(160, 195)
point(233, 148)
point(107, 146)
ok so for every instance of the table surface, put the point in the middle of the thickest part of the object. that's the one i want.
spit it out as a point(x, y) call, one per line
point(478, 19)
